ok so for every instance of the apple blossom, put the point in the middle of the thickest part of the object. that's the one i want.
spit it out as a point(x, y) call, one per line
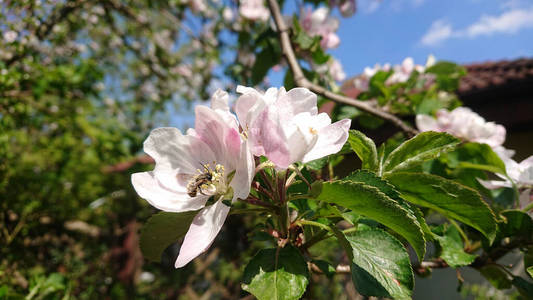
point(209, 161)
point(465, 124)
point(254, 10)
point(286, 127)
point(320, 23)
point(347, 8)
point(521, 175)
point(333, 67)
point(401, 73)
point(10, 36)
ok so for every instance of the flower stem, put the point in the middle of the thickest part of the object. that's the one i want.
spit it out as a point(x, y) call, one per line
point(461, 232)
point(256, 201)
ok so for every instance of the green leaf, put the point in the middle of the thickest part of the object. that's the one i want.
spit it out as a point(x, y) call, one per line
point(369, 201)
point(496, 276)
point(524, 287)
point(319, 56)
point(276, 274)
point(386, 188)
point(317, 164)
point(266, 59)
point(528, 260)
point(365, 149)
point(161, 230)
point(452, 247)
point(447, 197)
point(380, 264)
point(516, 224)
point(424, 146)
point(476, 156)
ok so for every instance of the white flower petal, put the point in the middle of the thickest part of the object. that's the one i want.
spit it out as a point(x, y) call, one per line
point(330, 140)
point(494, 184)
point(150, 189)
point(202, 232)
point(175, 153)
point(244, 173)
point(426, 123)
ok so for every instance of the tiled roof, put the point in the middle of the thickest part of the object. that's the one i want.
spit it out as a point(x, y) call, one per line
point(485, 75)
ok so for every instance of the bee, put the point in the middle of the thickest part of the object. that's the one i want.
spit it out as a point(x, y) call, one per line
point(197, 181)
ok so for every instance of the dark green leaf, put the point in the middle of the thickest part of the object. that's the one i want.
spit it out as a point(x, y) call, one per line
point(369, 201)
point(524, 287)
point(317, 164)
point(453, 249)
point(476, 156)
point(448, 198)
point(319, 56)
point(266, 59)
point(276, 274)
point(365, 149)
point(386, 188)
point(516, 224)
point(528, 260)
point(424, 146)
point(161, 230)
point(380, 264)
point(496, 276)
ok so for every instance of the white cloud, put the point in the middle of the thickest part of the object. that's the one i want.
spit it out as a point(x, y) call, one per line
point(371, 6)
point(417, 3)
point(368, 6)
point(439, 31)
point(508, 22)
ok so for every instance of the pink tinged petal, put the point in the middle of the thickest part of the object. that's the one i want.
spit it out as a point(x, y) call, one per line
point(267, 134)
point(248, 106)
point(212, 130)
point(150, 189)
point(331, 41)
point(175, 154)
point(202, 232)
point(330, 140)
point(426, 123)
point(297, 100)
point(244, 173)
point(219, 102)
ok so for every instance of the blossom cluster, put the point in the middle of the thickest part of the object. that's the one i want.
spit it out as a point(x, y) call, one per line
point(321, 23)
point(216, 158)
point(401, 73)
point(469, 126)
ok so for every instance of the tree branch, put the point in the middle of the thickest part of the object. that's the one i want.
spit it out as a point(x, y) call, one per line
point(301, 80)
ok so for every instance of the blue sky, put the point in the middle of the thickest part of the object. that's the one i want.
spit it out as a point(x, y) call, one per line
point(387, 31)
point(463, 31)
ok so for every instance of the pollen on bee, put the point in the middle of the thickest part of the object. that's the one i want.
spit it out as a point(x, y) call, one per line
point(207, 181)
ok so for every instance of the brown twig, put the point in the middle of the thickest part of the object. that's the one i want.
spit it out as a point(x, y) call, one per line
point(340, 269)
point(301, 80)
point(256, 201)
